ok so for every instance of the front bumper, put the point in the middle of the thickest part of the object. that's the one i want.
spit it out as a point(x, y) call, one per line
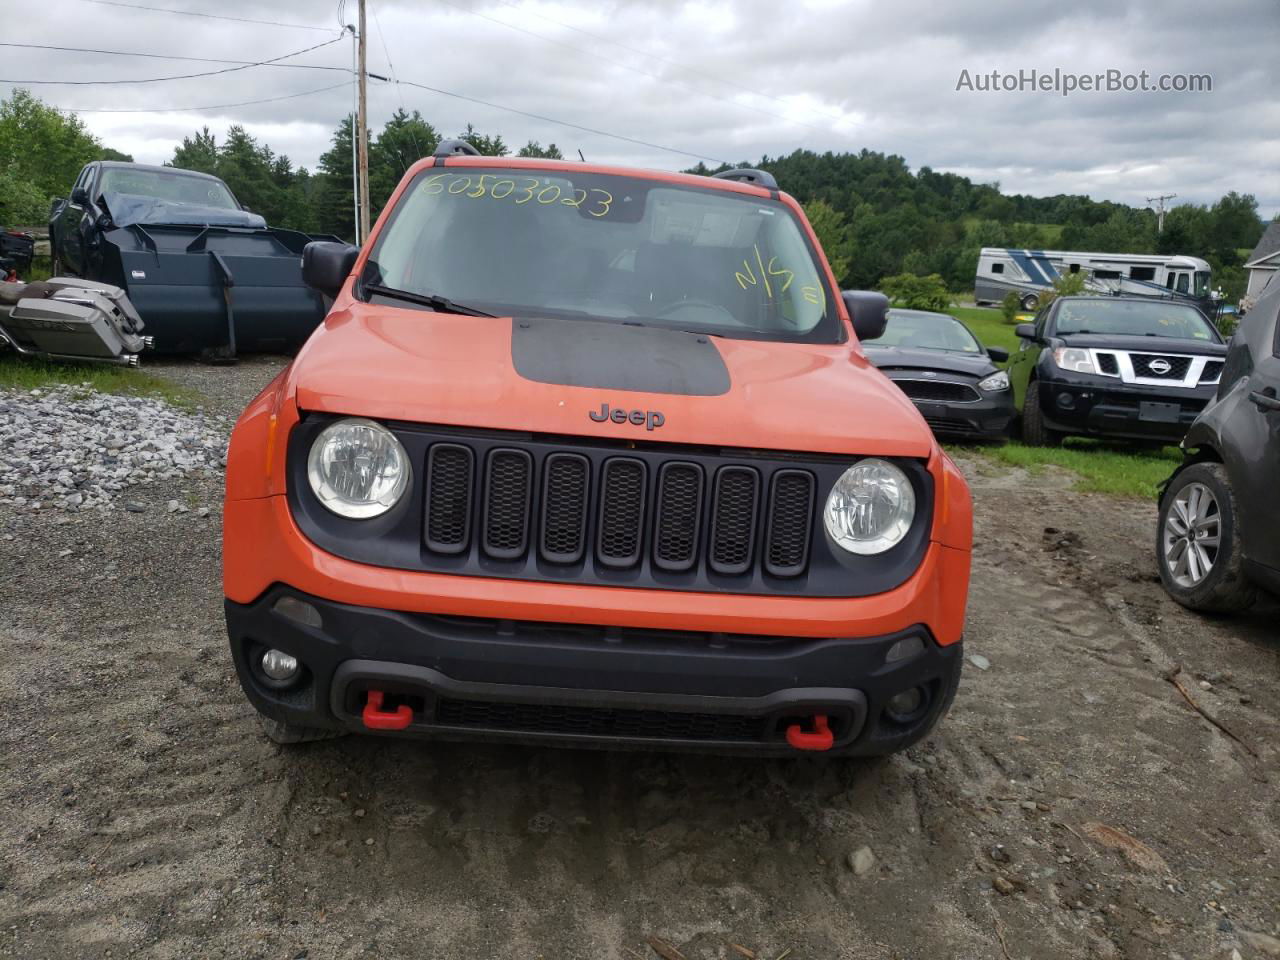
point(985, 419)
point(1103, 407)
point(470, 678)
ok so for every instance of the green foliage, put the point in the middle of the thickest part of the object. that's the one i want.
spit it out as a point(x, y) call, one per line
point(1066, 285)
point(489, 146)
point(17, 373)
point(42, 151)
point(916, 292)
point(534, 149)
point(833, 235)
point(1011, 306)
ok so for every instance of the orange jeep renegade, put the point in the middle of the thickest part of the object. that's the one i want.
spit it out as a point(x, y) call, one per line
point(586, 455)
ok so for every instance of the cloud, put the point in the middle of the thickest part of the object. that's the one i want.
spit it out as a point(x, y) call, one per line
point(725, 80)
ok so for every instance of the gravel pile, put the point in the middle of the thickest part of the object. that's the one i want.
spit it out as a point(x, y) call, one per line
point(73, 449)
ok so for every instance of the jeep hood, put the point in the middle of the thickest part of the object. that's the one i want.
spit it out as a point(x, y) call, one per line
point(541, 376)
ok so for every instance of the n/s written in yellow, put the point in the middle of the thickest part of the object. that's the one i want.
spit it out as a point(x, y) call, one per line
point(760, 273)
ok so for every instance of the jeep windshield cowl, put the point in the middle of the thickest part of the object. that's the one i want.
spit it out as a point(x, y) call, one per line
point(602, 247)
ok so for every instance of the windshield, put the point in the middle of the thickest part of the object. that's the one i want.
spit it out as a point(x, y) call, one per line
point(605, 247)
point(173, 187)
point(926, 331)
point(1202, 283)
point(1133, 319)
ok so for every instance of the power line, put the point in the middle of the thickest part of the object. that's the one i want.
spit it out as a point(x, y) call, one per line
point(213, 106)
point(164, 56)
point(395, 79)
point(185, 76)
point(616, 63)
point(207, 16)
point(563, 123)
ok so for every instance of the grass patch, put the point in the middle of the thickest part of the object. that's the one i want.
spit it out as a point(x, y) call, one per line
point(988, 326)
point(23, 374)
point(1099, 467)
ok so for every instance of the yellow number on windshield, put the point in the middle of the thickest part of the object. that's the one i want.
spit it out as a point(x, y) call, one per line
point(577, 200)
point(480, 187)
point(604, 204)
point(434, 182)
point(528, 191)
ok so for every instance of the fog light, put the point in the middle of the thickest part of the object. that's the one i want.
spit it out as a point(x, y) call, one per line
point(279, 666)
point(1066, 401)
point(902, 705)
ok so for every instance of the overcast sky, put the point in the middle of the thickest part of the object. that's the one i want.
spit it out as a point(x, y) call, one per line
point(722, 80)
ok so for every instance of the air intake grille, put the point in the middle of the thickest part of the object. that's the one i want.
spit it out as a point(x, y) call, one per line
point(509, 488)
point(1212, 372)
point(599, 722)
point(733, 522)
point(622, 496)
point(679, 512)
point(448, 500)
point(790, 508)
point(1160, 368)
point(939, 390)
point(564, 507)
point(1107, 364)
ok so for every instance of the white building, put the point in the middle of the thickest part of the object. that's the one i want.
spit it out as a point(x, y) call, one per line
point(1264, 261)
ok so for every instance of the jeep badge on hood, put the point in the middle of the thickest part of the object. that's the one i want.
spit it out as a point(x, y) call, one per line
point(649, 419)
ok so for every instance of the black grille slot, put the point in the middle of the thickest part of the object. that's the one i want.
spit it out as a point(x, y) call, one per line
point(938, 390)
point(564, 507)
point(1107, 364)
point(508, 491)
point(679, 515)
point(733, 519)
point(622, 495)
point(448, 497)
point(1212, 371)
point(599, 721)
point(1161, 368)
point(790, 519)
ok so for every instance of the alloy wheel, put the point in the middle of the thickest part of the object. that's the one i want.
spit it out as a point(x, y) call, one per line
point(1192, 535)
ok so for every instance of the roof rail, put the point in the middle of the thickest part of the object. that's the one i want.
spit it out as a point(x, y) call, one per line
point(455, 148)
point(757, 178)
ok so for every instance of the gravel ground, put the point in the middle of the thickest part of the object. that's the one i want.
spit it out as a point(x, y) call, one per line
point(1073, 804)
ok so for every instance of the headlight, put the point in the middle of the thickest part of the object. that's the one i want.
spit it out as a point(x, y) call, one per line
point(358, 469)
point(870, 508)
point(1073, 358)
point(995, 383)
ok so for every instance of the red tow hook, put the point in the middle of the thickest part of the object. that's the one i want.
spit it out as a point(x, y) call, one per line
point(375, 718)
point(820, 739)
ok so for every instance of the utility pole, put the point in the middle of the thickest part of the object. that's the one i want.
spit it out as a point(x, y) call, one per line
point(1159, 201)
point(363, 134)
point(355, 168)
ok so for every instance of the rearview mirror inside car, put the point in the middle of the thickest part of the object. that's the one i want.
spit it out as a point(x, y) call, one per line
point(998, 354)
point(1027, 331)
point(869, 312)
point(326, 265)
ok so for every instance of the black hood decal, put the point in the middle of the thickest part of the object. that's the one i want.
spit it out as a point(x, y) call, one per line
point(617, 356)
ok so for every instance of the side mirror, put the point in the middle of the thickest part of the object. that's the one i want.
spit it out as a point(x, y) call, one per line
point(1025, 331)
point(326, 265)
point(81, 196)
point(869, 312)
point(998, 354)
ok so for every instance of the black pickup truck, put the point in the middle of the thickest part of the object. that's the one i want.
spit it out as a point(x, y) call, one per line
point(1123, 367)
point(205, 274)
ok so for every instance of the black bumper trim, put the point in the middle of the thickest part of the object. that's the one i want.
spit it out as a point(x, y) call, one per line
point(592, 681)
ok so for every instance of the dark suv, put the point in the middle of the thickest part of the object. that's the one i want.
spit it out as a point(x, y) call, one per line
point(1218, 540)
point(1131, 367)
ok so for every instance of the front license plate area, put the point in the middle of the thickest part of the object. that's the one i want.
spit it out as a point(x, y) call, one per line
point(929, 408)
point(1159, 412)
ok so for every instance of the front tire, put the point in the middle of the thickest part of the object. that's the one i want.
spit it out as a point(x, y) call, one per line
point(1034, 431)
point(1196, 546)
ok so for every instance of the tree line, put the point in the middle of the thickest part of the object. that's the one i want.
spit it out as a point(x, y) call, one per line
point(875, 217)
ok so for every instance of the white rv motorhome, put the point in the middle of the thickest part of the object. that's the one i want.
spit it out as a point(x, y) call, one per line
point(1029, 272)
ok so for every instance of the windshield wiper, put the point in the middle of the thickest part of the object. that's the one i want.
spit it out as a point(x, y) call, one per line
point(432, 300)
